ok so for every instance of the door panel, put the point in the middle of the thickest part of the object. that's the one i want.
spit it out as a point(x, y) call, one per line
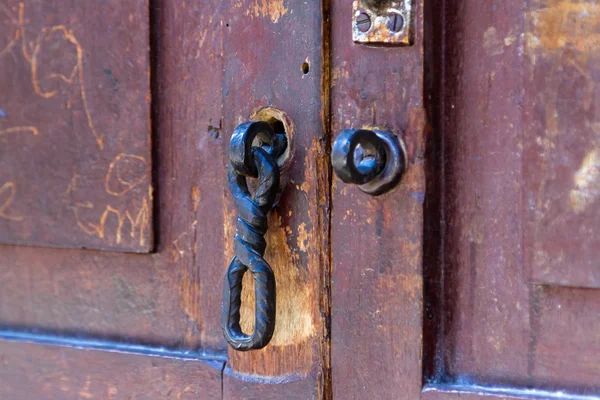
point(33, 371)
point(516, 127)
point(273, 56)
point(567, 344)
point(171, 297)
point(91, 292)
point(377, 241)
point(562, 142)
point(214, 63)
point(75, 125)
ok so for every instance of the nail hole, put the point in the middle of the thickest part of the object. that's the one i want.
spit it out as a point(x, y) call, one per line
point(305, 67)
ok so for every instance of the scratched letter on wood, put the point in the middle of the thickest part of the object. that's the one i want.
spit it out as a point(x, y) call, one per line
point(75, 160)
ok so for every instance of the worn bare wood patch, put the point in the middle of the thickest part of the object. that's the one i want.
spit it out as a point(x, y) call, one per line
point(562, 141)
point(74, 125)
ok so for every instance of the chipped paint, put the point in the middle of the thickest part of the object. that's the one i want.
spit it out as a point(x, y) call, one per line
point(492, 42)
point(302, 238)
point(587, 182)
point(273, 9)
point(560, 24)
point(297, 268)
point(195, 197)
point(294, 298)
point(563, 30)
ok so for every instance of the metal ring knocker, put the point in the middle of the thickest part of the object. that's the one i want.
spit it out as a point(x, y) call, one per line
point(373, 159)
point(253, 152)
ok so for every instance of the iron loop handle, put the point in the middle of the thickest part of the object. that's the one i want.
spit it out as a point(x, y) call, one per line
point(373, 159)
point(253, 152)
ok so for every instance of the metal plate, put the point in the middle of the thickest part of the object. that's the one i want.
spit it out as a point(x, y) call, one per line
point(391, 25)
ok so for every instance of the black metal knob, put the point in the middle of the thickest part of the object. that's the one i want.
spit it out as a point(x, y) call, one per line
point(373, 159)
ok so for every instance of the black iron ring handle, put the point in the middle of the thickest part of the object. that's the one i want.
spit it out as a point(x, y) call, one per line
point(253, 152)
point(373, 159)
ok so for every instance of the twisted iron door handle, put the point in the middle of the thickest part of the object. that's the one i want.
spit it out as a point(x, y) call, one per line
point(253, 152)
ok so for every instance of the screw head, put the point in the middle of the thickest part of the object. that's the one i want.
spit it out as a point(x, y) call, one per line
point(395, 23)
point(363, 21)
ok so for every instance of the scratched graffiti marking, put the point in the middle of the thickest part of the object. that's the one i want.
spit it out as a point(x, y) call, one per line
point(177, 250)
point(7, 196)
point(33, 53)
point(138, 222)
point(125, 172)
point(20, 129)
point(74, 151)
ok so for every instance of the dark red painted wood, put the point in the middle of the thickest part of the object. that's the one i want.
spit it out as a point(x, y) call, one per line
point(516, 198)
point(29, 371)
point(273, 56)
point(561, 165)
point(206, 79)
point(463, 393)
point(75, 125)
point(171, 297)
point(377, 242)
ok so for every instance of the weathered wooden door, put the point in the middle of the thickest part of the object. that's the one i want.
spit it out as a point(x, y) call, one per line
point(476, 277)
point(117, 224)
point(512, 306)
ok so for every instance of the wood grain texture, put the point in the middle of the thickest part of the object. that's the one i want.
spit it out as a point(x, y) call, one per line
point(561, 163)
point(377, 242)
point(75, 125)
point(252, 387)
point(497, 326)
point(29, 371)
point(206, 79)
point(566, 350)
point(91, 292)
point(190, 150)
point(486, 292)
point(171, 297)
point(265, 45)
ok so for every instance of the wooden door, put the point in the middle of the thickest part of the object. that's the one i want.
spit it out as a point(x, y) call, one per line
point(475, 278)
point(512, 300)
point(116, 222)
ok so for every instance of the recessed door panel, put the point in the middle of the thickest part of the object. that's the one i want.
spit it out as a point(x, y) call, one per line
point(75, 125)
